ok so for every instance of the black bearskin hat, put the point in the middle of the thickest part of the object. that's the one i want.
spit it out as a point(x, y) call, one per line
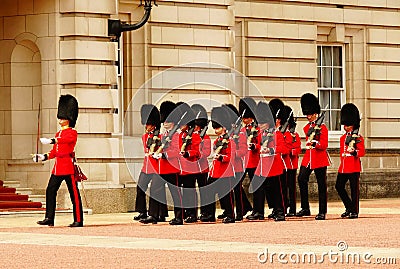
point(202, 118)
point(189, 117)
point(220, 118)
point(310, 104)
point(166, 109)
point(150, 115)
point(292, 122)
point(350, 116)
point(248, 106)
point(232, 114)
point(263, 114)
point(283, 114)
point(68, 109)
point(276, 105)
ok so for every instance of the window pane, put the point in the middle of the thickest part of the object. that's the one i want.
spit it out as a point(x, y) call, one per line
point(335, 100)
point(319, 56)
point(337, 56)
point(337, 78)
point(327, 77)
point(323, 99)
point(326, 56)
point(319, 77)
point(335, 122)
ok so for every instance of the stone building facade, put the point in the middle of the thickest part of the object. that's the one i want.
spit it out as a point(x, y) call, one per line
point(343, 51)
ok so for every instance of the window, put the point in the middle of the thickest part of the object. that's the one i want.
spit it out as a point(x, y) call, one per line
point(331, 84)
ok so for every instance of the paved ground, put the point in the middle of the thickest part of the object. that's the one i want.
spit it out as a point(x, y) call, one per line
point(115, 241)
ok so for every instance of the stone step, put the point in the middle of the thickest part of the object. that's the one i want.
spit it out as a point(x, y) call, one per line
point(11, 184)
point(27, 191)
point(38, 198)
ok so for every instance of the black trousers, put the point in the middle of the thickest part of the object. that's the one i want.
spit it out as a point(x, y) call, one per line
point(271, 189)
point(352, 204)
point(223, 187)
point(141, 188)
point(201, 183)
point(250, 172)
point(190, 198)
point(174, 186)
point(242, 203)
point(51, 196)
point(291, 186)
point(158, 201)
point(283, 181)
point(304, 177)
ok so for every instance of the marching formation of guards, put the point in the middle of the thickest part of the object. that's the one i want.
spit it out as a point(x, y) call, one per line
point(258, 140)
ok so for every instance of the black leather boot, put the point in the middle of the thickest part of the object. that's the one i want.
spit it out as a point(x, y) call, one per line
point(46, 221)
point(76, 224)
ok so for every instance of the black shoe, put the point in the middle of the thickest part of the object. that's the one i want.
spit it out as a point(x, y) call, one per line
point(320, 216)
point(353, 216)
point(239, 218)
point(207, 218)
point(191, 219)
point(345, 214)
point(148, 220)
point(303, 212)
point(280, 217)
point(255, 216)
point(291, 214)
point(161, 219)
point(76, 224)
point(140, 216)
point(176, 221)
point(228, 220)
point(272, 215)
point(46, 221)
point(222, 216)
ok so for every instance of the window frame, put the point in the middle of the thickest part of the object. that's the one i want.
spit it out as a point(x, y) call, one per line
point(342, 90)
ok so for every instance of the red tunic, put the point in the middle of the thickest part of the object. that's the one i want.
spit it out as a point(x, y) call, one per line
point(62, 151)
point(350, 163)
point(272, 164)
point(253, 156)
point(190, 165)
point(317, 157)
point(150, 165)
point(294, 144)
point(224, 167)
point(205, 151)
point(240, 152)
point(169, 164)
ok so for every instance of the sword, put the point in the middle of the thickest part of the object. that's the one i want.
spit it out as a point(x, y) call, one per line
point(38, 135)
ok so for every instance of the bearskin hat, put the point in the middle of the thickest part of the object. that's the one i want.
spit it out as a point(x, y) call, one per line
point(248, 106)
point(201, 115)
point(150, 115)
point(310, 104)
point(283, 114)
point(166, 109)
point(188, 119)
point(263, 114)
point(68, 109)
point(276, 105)
point(350, 116)
point(220, 118)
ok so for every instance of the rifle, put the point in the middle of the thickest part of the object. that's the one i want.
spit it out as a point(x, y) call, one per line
point(268, 138)
point(167, 139)
point(253, 132)
point(204, 130)
point(314, 131)
point(284, 126)
point(187, 140)
point(153, 142)
point(236, 128)
point(352, 139)
point(222, 144)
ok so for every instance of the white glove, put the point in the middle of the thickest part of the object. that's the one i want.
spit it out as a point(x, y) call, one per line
point(156, 155)
point(40, 157)
point(45, 141)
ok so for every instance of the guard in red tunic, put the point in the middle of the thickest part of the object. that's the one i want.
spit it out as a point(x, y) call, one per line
point(247, 108)
point(292, 140)
point(316, 157)
point(189, 144)
point(63, 153)
point(351, 150)
point(150, 117)
point(222, 174)
point(270, 168)
point(201, 126)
